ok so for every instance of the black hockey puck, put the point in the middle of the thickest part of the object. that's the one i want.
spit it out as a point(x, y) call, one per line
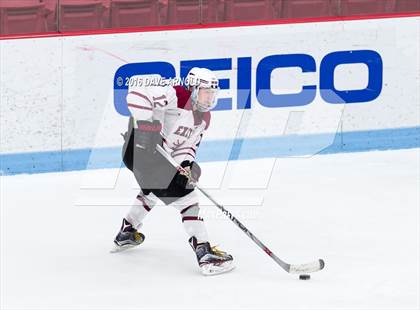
point(304, 277)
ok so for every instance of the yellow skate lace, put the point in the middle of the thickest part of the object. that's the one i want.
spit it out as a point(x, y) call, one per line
point(137, 236)
point(217, 251)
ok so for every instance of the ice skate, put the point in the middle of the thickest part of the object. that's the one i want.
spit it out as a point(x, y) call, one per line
point(211, 260)
point(127, 238)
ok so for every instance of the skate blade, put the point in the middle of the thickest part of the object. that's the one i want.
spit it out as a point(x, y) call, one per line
point(212, 270)
point(122, 248)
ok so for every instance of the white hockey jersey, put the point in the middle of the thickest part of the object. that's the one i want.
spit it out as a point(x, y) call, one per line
point(182, 128)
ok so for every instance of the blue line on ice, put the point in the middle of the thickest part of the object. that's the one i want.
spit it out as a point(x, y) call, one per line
point(221, 150)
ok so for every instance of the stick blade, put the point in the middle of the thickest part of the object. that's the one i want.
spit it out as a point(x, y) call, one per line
point(307, 268)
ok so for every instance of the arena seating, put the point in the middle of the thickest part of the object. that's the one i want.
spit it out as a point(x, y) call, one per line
point(132, 13)
point(51, 9)
point(308, 8)
point(362, 7)
point(34, 16)
point(249, 10)
point(80, 15)
point(407, 5)
point(188, 11)
point(183, 12)
point(22, 16)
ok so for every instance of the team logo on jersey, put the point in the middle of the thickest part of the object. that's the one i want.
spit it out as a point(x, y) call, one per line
point(184, 131)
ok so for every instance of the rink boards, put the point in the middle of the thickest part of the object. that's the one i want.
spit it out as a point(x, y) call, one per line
point(286, 90)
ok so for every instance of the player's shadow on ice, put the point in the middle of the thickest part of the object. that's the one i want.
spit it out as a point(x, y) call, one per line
point(154, 260)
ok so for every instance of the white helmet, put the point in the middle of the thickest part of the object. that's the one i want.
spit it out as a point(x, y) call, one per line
point(205, 87)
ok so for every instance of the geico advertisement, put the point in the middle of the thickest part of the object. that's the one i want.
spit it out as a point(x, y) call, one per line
point(368, 66)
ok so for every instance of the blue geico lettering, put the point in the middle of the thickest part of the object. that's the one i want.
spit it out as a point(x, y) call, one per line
point(263, 89)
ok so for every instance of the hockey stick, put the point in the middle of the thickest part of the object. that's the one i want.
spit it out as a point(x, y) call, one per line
point(290, 268)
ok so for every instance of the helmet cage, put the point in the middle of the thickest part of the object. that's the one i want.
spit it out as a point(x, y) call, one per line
point(205, 87)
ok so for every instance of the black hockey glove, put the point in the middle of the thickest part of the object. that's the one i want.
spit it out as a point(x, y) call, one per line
point(147, 135)
point(192, 174)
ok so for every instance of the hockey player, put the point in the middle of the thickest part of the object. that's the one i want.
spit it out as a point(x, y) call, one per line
point(175, 117)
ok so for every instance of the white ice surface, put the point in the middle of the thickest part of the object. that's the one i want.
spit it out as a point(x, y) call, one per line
point(360, 212)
